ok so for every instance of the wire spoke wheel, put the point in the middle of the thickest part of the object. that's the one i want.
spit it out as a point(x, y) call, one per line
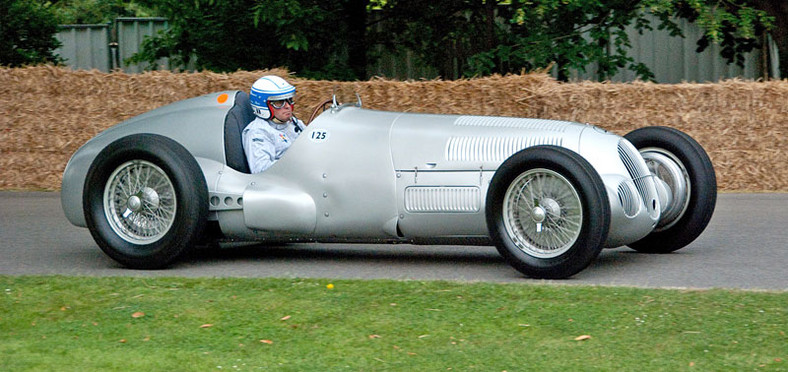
point(145, 201)
point(547, 212)
point(543, 213)
point(139, 202)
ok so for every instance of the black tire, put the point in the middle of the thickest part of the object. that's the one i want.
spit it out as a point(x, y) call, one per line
point(564, 193)
point(695, 205)
point(145, 201)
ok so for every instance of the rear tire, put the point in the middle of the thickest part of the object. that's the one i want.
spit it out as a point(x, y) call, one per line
point(145, 201)
point(664, 148)
point(548, 212)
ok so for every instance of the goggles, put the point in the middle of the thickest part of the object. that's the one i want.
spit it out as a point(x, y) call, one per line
point(281, 103)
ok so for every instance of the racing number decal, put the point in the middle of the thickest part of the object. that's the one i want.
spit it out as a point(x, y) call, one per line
point(319, 136)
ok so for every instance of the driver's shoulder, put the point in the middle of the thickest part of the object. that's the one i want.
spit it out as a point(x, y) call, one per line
point(258, 127)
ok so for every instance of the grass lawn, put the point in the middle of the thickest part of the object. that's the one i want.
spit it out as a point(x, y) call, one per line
point(177, 324)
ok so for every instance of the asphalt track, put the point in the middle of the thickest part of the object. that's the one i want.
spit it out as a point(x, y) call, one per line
point(744, 247)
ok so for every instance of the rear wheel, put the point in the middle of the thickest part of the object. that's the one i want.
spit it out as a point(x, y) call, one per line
point(547, 212)
point(145, 201)
point(681, 164)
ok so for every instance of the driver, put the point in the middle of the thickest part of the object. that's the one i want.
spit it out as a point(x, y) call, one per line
point(275, 128)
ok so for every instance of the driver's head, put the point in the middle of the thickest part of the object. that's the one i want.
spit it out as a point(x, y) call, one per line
point(272, 97)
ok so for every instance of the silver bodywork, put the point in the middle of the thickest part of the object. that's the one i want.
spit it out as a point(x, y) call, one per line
point(369, 175)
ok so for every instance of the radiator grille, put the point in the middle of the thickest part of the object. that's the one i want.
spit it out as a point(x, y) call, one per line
point(640, 174)
point(438, 199)
point(629, 199)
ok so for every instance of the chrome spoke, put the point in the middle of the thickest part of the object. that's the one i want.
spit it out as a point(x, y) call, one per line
point(139, 202)
point(543, 213)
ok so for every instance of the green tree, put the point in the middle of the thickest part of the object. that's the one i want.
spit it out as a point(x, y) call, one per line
point(737, 26)
point(316, 39)
point(97, 11)
point(27, 33)
point(571, 34)
point(339, 39)
point(778, 11)
point(443, 34)
point(575, 33)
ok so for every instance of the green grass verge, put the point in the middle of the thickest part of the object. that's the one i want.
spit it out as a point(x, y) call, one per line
point(178, 324)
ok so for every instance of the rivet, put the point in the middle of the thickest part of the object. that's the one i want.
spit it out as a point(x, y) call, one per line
point(325, 175)
point(325, 194)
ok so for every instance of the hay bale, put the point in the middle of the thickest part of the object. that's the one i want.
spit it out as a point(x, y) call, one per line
point(47, 112)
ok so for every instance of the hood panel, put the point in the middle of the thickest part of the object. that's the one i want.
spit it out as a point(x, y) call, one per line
point(448, 142)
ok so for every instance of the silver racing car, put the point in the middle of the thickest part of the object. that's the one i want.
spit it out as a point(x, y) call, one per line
point(548, 194)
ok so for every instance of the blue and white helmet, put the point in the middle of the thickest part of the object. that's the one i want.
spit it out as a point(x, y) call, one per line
point(269, 88)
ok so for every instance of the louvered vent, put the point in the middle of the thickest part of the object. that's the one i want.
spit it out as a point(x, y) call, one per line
point(493, 149)
point(442, 199)
point(504, 122)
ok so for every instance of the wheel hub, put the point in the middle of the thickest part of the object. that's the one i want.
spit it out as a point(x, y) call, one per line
point(551, 206)
point(134, 203)
point(538, 214)
point(674, 177)
point(544, 208)
point(147, 197)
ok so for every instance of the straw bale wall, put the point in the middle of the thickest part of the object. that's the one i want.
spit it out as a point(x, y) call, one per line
point(46, 113)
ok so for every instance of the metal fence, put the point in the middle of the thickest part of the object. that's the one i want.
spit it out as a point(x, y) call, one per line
point(86, 46)
point(131, 33)
point(674, 59)
point(671, 59)
point(105, 47)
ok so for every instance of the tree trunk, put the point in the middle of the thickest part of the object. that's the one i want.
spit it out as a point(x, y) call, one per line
point(779, 10)
point(356, 20)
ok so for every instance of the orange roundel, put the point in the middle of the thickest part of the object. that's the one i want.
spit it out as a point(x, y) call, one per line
point(222, 98)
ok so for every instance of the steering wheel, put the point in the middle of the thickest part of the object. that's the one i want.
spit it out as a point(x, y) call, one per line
point(319, 108)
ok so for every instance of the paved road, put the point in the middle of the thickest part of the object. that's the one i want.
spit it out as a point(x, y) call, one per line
point(745, 246)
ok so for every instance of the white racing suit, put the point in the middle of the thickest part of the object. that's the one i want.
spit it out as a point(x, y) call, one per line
point(265, 141)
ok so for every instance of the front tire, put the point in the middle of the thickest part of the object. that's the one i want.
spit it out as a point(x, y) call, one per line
point(547, 212)
point(145, 201)
point(680, 163)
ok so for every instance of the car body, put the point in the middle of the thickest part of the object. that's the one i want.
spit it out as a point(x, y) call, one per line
point(549, 194)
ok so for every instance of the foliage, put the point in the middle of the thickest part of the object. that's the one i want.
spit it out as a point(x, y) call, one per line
point(443, 34)
point(473, 37)
point(338, 39)
point(97, 11)
point(311, 37)
point(214, 32)
point(733, 24)
point(576, 33)
point(307, 36)
point(569, 33)
point(27, 33)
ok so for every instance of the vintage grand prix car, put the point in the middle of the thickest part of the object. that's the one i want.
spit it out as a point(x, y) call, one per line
point(548, 194)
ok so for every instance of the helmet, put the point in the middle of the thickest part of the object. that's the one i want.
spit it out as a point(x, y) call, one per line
point(269, 88)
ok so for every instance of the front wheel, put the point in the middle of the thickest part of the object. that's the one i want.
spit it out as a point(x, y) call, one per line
point(548, 212)
point(683, 167)
point(145, 201)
